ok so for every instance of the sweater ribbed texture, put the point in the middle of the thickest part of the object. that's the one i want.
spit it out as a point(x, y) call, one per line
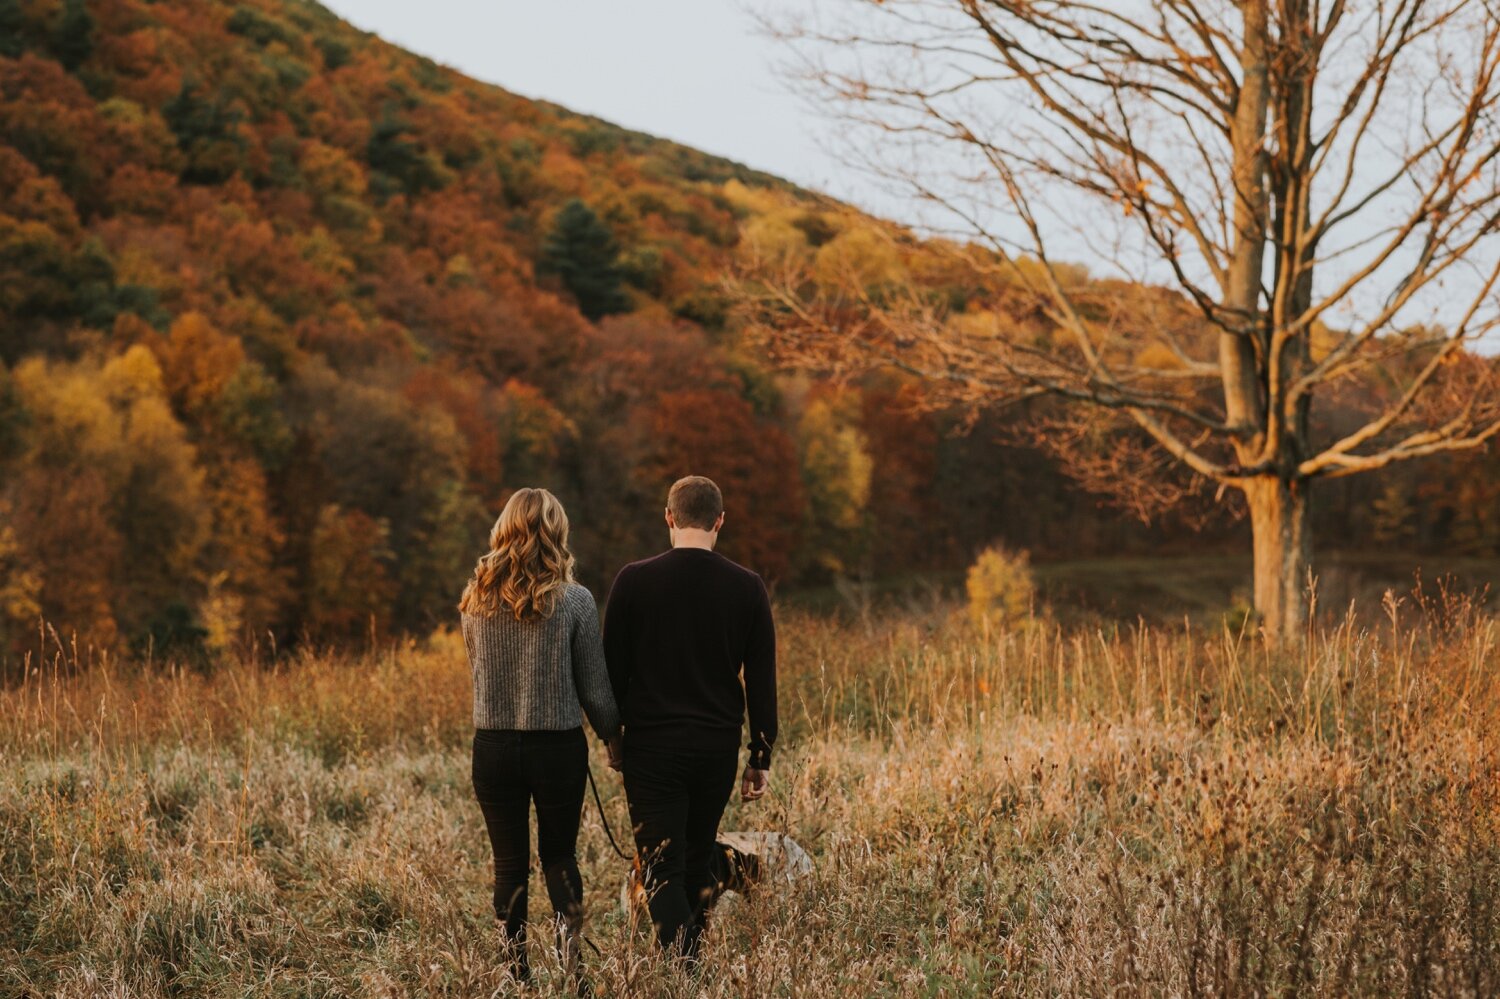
point(534, 675)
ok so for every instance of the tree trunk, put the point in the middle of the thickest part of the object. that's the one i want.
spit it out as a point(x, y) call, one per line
point(1283, 554)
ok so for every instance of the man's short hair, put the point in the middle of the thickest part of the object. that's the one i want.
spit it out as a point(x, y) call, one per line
point(695, 501)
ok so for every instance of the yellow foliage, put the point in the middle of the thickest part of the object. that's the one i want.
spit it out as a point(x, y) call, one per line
point(65, 414)
point(1000, 587)
point(773, 238)
point(114, 419)
point(329, 170)
point(837, 475)
point(976, 324)
point(20, 587)
point(131, 376)
point(222, 615)
point(199, 360)
point(758, 200)
point(246, 589)
point(836, 464)
point(858, 256)
point(1158, 357)
point(324, 254)
point(1322, 341)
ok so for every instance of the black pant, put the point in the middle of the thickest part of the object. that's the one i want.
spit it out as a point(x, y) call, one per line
point(512, 769)
point(676, 800)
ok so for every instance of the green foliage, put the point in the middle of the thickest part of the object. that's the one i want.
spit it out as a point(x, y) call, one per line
point(174, 635)
point(404, 161)
point(73, 34)
point(291, 73)
point(594, 138)
point(336, 52)
point(1001, 588)
point(261, 29)
point(644, 267)
point(708, 307)
point(250, 413)
point(36, 271)
point(582, 251)
point(208, 133)
point(12, 23)
point(96, 300)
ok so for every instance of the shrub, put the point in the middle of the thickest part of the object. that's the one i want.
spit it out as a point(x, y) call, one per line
point(1001, 587)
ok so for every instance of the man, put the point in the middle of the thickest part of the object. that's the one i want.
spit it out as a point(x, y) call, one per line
point(690, 647)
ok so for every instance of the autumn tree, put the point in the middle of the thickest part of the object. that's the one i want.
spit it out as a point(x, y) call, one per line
point(836, 478)
point(698, 432)
point(582, 251)
point(106, 493)
point(403, 466)
point(349, 590)
point(12, 22)
point(20, 587)
point(73, 34)
point(1318, 182)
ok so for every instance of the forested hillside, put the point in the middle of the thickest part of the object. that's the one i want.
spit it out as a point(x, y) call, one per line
point(286, 311)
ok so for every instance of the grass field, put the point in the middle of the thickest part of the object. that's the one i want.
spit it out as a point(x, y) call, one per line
point(1038, 812)
point(1203, 590)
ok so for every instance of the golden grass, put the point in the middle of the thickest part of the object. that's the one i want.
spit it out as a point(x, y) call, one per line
point(1032, 813)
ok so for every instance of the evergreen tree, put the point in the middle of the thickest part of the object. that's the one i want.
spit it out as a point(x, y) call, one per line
point(73, 34)
point(11, 23)
point(207, 130)
point(392, 152)
point(582, 251)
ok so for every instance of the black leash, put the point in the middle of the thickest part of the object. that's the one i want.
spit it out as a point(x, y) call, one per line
point(599, 804)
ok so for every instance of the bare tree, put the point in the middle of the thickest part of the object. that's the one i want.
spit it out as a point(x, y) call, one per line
point(1315, 180)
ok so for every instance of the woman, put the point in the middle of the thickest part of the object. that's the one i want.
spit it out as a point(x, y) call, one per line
point(532, 635)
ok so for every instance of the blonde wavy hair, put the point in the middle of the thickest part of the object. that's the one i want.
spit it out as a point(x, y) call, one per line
point(528, 563)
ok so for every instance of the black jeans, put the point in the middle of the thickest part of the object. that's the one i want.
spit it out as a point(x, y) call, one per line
point(513, 769)
point(676, 799)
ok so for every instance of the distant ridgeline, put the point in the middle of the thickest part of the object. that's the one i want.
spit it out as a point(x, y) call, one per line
point(285, 311)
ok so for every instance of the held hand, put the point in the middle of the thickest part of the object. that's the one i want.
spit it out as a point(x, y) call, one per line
point(753, 786)
point(616, 749)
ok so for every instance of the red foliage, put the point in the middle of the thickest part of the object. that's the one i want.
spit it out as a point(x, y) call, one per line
point(698, 432)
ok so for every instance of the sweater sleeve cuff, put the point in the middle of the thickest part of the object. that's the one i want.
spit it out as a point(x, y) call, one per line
point(606, 733)
point(760, 758)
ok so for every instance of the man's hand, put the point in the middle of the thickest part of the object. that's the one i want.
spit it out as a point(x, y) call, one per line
point(754, 784)
point(616, 749)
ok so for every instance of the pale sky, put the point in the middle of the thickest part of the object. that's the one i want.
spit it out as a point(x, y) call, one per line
point(701, 72)
point(696, 71)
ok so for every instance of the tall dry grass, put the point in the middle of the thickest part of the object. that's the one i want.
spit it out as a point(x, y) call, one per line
point(1035, 812)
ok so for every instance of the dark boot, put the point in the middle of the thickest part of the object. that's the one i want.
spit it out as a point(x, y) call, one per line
point(510, 910)
point(513, 956)
point(565, 888)
point(570, 952)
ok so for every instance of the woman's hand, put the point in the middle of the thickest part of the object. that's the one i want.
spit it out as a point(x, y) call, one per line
point(616, 749)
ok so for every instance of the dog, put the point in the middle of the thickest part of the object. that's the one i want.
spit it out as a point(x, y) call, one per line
point(743, 862)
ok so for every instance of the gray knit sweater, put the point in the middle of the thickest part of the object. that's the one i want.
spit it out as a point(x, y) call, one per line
point(534, 674)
